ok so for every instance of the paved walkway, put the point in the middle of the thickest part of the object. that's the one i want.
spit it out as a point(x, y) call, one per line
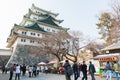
point(45, 77)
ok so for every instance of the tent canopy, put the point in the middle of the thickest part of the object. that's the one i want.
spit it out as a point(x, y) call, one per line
point(42, 63)
point(52, 62)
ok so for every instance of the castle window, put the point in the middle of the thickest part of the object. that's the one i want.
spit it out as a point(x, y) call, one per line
point(23, 32)
point(32, 33)
point(38, 34)
point(48, 29)
point(37, 12)
point(53, 30)
point(38, 42)
point(23, 40)
point(31, 41)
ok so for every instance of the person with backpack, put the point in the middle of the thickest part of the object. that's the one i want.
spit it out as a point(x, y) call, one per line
point(92, 70)
point(108, 71)
point(66, 66)
point(75, 70)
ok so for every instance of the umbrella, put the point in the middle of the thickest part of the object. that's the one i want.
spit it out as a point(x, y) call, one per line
point(52, 62)
point(42, 63)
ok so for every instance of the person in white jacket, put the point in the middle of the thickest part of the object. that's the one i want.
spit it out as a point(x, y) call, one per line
point(30, 70)
point(17, 72)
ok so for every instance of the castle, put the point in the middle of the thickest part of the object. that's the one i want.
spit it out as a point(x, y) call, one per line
point(35, 25)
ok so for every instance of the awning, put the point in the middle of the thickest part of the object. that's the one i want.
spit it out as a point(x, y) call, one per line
point(107, 56)
point(108, 59)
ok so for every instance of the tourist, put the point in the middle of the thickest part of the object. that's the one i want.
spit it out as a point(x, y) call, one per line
point(109, 71)
point(38, 70)
point(3, 69)
point(17, 72)
point(92, 70)
point(84, 70)
point(11, 72)
point(6, 69)
point(116, 69)
point(61, 69)
point(14, 68)
point(30, 70)
point(66, 65)
point(34, 71)
point(75, 70)
point(80, 70)
point(23, 70)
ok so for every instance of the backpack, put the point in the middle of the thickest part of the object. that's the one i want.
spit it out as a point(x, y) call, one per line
point(108, 67)
point(34, 69)
point(69, 70)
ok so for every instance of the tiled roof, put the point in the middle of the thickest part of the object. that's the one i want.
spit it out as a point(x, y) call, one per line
point(113, 46)
point(49, 20)
point(35, 27)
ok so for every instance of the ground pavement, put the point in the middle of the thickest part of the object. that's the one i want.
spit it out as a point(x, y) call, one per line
point(43, 76)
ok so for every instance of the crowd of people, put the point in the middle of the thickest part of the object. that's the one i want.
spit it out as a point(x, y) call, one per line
point(19, 70)
point(110, 69)
point(79, 70)
point(82, 70)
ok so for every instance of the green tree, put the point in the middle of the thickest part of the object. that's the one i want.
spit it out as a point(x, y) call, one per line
point(105, 26)
point(109, 24)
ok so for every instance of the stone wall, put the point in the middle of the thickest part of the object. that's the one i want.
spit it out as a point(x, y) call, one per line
point(4, 60)
point(29, 55)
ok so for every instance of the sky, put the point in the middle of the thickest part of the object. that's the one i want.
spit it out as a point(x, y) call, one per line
point(78, 15)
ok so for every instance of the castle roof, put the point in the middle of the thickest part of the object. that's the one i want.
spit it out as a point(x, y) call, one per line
point(35, 27)
point(42, 15)
point(112, 46)
point(49, 12)
point(49, 20)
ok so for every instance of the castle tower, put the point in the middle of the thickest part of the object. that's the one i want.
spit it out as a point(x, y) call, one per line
point(35, 24)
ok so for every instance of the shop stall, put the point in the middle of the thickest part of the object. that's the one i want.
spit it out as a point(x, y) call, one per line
point(107, 57)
